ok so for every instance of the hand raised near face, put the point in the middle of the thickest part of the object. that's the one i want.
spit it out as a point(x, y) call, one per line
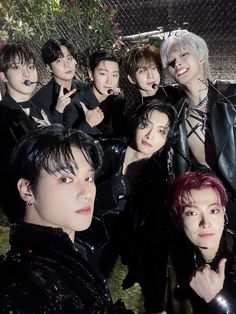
point(92, 116)
point(63, 99)
point(207, 282)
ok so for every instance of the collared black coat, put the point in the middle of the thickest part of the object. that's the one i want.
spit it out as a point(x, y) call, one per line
point(48, 96)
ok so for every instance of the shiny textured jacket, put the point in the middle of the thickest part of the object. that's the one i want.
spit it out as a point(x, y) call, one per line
point(44, 272)
point(136, 220)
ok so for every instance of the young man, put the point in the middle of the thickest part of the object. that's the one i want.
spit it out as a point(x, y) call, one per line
point(60, 59)
point(206, 113)
point(99, 108)
point(45, 271)
point(131, 201)
point(143, 67)
point(18, 113)
point(204, 257)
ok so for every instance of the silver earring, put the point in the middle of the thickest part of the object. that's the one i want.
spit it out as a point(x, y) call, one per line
point(29, 203)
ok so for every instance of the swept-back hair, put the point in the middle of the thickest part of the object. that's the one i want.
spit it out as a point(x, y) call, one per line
point(101, 55)
point(184, 183)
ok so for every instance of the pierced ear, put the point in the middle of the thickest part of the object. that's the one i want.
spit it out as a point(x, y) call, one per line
point(25, 190)
point(48, 68)
point(3, 77)
point(131, 80)
point(90, 73)
point(202, 59)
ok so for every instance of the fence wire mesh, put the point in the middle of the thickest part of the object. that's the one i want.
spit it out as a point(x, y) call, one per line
point(214, 20)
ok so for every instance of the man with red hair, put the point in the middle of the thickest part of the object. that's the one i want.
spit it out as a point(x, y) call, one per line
point(203, 253)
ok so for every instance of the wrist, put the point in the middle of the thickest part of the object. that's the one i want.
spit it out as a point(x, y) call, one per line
point(60, 108)
point(90, 124)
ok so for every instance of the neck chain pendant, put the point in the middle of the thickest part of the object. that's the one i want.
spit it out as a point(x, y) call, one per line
point(201, 105)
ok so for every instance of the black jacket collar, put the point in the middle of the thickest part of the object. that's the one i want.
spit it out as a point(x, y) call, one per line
point(25, 236)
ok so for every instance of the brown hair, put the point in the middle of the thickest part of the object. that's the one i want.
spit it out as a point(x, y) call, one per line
point(137, 54)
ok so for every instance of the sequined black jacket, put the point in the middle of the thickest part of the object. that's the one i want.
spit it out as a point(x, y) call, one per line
point(44, 272)
point(186, 258)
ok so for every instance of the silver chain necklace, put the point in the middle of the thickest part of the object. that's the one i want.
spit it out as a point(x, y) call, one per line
point(201, 105)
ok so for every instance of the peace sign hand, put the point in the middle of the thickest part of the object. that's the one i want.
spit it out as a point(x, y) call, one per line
point(63, 99)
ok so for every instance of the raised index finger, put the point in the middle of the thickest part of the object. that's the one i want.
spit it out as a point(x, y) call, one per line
point(71, 92)
point(61, 93)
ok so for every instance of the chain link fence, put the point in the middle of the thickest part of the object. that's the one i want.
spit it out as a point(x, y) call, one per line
point(214, 20)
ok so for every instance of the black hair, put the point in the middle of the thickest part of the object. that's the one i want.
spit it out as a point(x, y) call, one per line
point(51, 50)
point(101, 55)
point(49, 148)
point(10, 51)
point(139, 115)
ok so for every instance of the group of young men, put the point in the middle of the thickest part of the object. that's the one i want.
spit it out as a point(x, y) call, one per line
point(204, 138)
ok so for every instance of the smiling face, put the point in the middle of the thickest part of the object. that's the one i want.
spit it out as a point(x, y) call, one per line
point(18, 72)
point(63, 69)
point(151, 136)
point(64, 200)
point(105, 76)
point(146, 75)
point(184, 66)
point(203, 219)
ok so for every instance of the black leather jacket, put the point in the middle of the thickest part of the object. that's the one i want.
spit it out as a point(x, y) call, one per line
point(186, 258)
point(222, 119)
point(136, 220)
point(44, 272)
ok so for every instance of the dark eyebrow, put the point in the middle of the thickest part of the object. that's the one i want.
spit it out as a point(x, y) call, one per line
point(102, 69)
point(195, 206)
point(105, 70)
point(91, 170)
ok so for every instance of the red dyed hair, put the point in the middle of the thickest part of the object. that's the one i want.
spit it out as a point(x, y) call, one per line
point(188, 181)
